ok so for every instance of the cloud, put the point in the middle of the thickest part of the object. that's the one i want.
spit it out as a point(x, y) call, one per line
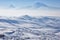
point(13, 12)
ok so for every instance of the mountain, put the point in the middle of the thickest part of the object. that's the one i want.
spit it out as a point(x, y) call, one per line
point(12, 6)
point(28, 25)
point(38, 5)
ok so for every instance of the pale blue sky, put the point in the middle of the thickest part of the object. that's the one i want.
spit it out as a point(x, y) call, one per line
point(30, 7)
point(22, 3)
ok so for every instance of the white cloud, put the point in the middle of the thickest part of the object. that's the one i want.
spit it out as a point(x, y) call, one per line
point(13, 12)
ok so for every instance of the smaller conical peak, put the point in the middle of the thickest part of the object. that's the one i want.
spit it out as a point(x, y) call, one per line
point(12, 6)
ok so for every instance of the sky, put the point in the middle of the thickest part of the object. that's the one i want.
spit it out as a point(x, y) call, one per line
point(30, 7)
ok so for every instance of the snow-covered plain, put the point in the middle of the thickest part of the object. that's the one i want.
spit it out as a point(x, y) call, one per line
point(30, 28)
